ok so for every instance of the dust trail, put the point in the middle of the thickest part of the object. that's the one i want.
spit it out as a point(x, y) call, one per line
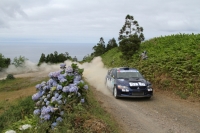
point(94, 72)
point(31, 69)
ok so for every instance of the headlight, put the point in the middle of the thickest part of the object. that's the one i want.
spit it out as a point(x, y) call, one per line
point(123, 88)
point(149, 88)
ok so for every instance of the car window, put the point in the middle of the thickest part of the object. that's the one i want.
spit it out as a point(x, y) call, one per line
point(108, 72)
point(113, 73)
point(129, 74)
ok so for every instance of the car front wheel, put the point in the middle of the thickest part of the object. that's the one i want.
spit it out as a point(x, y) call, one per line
point(115, 92)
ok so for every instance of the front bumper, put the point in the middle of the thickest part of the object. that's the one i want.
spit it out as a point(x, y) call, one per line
point(135, 93)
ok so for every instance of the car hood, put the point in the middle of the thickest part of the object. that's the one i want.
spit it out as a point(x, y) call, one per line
point(125, 82)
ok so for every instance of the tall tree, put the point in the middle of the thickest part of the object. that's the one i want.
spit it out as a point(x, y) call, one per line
point(111, 44)
point(100, 48)
point(130, 37)
point(75, 59)
point(55, 57)
point(19, 62)
point(42, 59)
point(128, 46)
point(130, 27)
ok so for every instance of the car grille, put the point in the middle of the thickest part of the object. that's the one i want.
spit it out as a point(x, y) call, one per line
point(138, 87)
point(137, 93)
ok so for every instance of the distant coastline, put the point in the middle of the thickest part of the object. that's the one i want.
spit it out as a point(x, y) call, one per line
point(33, 51)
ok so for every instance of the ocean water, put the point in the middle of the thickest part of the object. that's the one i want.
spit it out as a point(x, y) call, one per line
point(33, 51)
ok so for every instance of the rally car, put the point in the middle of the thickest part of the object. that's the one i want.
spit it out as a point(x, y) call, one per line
point(128, 82)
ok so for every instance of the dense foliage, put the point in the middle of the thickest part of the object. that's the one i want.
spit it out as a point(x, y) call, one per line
point(54, 58)
point(16, 112)
point(173, 63)
point(4, 62)
point(129, 46)
point(111, 44)
point(100, 48)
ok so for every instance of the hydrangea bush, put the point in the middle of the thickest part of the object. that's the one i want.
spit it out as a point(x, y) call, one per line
point(59, 94)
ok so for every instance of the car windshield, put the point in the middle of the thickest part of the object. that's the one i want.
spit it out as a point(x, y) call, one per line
point(128, 74)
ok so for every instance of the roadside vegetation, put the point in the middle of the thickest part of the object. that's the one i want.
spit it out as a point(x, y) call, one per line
point(84, 118)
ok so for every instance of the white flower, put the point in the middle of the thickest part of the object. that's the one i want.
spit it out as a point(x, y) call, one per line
point(24, 127)
point(10, 131)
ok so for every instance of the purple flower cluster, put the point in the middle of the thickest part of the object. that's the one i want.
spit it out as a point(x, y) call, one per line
point(53, 95)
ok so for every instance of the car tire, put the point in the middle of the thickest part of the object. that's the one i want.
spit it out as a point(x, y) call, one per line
point(115, 93)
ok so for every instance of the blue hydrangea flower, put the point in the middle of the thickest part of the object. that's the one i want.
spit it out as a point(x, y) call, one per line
point(59, 119)
point(36, 96)
point(53, 99)
point(53, 125)
point(51, 75)
point(43, 83)
point(76, 82)
point(62, 113)
point(59, 87)
point(43, 92)
point(45, 88)
point(77, 78)
point(69, 69)
point(73, 89)
point(55, 83)
point(63, 80)
point(60, 77)
point(59, 101)
point(85, 87)
point(82, 100)
point(50, 81)
point(66, 89)
point(56, 95)
point(46, 116)
point(59, 97)
point(36, 112)
point(48, 95)
point(47, 103)
point(63, 65)
point(56, 74)
point(45, 100)
point(38, 86)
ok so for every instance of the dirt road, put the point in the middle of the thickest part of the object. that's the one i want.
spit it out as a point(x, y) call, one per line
point(161, 114)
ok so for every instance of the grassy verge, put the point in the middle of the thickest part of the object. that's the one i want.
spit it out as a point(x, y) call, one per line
point(17, 84)
point(86, 118)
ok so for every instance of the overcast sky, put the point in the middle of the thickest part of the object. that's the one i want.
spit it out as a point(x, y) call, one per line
point(85, 21)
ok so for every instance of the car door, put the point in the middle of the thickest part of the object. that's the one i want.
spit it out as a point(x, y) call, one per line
point(112, 79)
point(108, 80)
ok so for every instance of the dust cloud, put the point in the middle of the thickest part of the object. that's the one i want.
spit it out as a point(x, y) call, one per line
point(94, 72)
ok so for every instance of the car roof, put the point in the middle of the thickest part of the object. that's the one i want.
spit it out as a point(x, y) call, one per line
point(125, 68)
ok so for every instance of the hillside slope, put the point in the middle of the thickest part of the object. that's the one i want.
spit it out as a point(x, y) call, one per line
point(173, 63)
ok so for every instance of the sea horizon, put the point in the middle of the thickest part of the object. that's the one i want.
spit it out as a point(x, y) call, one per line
point(33, 51)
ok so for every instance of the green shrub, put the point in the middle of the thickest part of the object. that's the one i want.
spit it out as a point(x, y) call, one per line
point(16, 112)
point(10, 76)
